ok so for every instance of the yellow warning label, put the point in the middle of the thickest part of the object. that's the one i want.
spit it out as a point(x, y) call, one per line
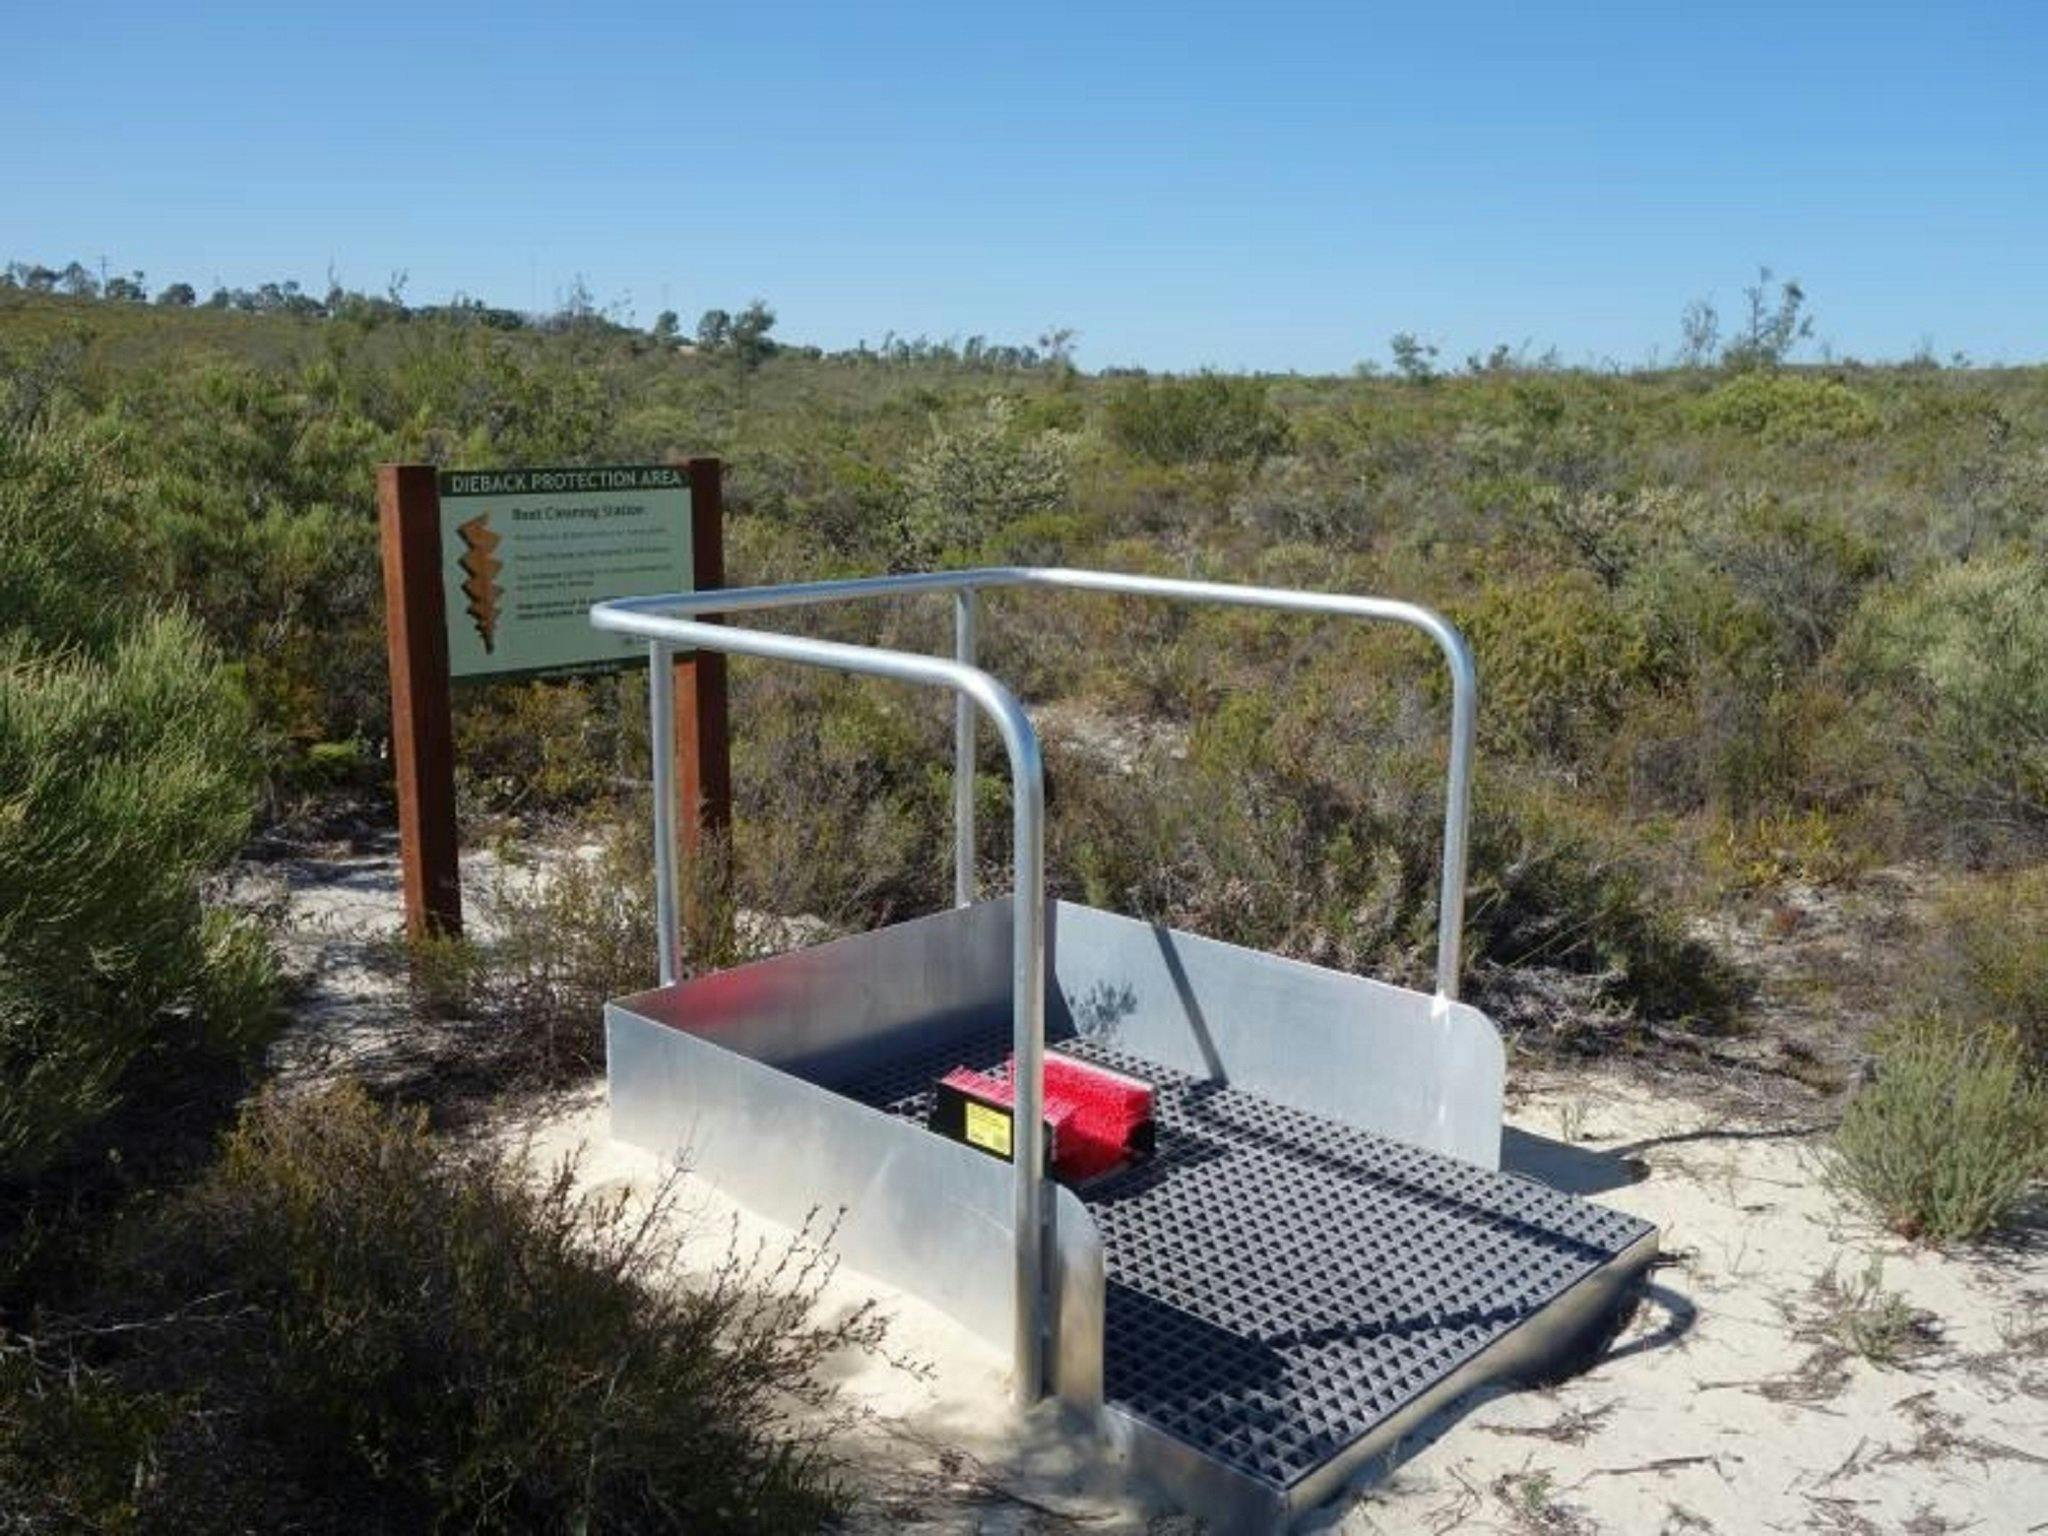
point(988, 1128)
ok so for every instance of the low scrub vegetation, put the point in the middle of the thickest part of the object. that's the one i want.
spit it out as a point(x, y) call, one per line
point(346, 1326)
point(1991, 957)
point(1948, 1139)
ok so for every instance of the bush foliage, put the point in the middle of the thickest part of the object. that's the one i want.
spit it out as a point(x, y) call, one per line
point(1968, 694)
point(1715, 607)
point(346, 1326)
point(126, 777)
point(1210, 418)
point(1949, 1137)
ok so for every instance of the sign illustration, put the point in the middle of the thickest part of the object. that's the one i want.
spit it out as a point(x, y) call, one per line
point(481, 586)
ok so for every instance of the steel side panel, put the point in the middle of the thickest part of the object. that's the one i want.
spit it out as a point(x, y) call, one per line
point(811, 1010)
point(1398, 1063)
point(916, 1211)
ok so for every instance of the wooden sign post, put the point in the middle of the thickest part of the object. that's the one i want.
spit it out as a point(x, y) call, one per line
point(539, 547)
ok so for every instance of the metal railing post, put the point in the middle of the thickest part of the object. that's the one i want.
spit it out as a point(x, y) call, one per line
point(1450, 906)
point(965, 718)
point(1027, 1046)
point(661, 742)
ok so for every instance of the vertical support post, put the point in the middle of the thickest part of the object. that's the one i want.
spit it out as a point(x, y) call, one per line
point(1027, 1038)
point(661, 737)
point(965, 718)
point(702, 791)
point(1450, 908)
point(422, 728)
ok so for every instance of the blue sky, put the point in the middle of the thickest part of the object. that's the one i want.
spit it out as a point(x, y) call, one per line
point(1265, 186)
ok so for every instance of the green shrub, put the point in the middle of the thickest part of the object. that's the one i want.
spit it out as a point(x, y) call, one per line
point(124, 780)
point(970, 482)
point(346, 1327)
point(65, 569)
point(843, 799)
point(1947, 1140)
point(76, 1447)
point(1209, 418)
point(1239, 844)
point(1553, 889)
point(1957, 660)
point(556, 937)
point(1992, 956)
point(547, 746)
point(1560, 660)
point(1293, 499)
point(1788, 408)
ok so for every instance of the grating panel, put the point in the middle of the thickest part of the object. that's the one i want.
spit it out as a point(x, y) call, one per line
point(1279, 1284)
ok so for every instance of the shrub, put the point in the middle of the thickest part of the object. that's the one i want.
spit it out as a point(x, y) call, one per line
point(1206, 419)
point(842, 796)
point(1798, 573)
point(550, 745)
point(346, 1327)
point(1992, 956)
point(1560, 660)
point(970, 482)
point(1553, 890)
point(124, 779)
point(1240, 844)
point(558, 936)
point(64, 566)
point(1958, 661)
point(1783, 408)
point(1602, 531)
point(1294, 499)
point(1949, 1136)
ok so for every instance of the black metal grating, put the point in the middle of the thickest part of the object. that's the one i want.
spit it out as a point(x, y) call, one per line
point(1279, 1284)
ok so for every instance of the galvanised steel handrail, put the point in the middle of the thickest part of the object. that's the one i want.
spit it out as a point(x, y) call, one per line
point(966, 587)
point(671, 622)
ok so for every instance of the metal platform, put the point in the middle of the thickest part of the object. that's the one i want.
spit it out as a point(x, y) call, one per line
point(1250, 1316)
point(1283, 1292)
point(1320, 1253)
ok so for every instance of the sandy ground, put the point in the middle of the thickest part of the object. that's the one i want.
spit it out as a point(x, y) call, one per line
point(1751, 1392)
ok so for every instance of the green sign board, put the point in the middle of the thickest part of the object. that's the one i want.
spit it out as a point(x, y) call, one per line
point(525, 552)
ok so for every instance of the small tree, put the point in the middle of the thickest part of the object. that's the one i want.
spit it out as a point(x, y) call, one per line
point(1774, 324)
point(1699, 334)
point(1414, 358)
point(742, 337)
point(750, 341)
point(1057, 343)
point(667, 328)
point(178, 296)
